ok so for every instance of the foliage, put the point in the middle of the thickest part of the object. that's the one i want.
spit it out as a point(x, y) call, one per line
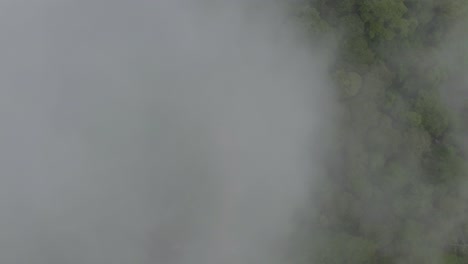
point(310, 19)
point(394, 187)
point(434, 117)
point(349, 82)
point(385, 18)
point(352, 250)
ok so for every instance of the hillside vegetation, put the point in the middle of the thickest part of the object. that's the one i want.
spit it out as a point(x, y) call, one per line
point(394, 191)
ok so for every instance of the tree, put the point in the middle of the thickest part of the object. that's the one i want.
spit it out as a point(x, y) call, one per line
point(390, 195)
point(435, 118)
point(344, 248)
point(311, 20)
point(356, 49)
point(385, 18)
point(349, 82)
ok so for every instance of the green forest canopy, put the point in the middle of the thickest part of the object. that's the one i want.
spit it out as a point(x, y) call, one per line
point(396, 196)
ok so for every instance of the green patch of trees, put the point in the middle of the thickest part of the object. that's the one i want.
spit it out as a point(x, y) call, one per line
point(396, 191)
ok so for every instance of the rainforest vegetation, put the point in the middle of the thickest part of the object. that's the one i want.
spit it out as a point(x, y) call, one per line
point(395, 187)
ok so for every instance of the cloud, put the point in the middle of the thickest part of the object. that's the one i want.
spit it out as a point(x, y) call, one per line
point(154, 131)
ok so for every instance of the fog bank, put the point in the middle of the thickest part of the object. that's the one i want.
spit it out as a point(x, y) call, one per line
point(154, 131)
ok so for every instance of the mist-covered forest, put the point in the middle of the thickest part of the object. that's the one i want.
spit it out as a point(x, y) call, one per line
point(395, 190)
point(234, 132)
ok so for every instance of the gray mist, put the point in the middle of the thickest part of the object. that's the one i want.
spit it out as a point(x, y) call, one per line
point(163, 132)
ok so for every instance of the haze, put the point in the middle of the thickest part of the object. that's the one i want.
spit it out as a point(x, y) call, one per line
point(154, 131)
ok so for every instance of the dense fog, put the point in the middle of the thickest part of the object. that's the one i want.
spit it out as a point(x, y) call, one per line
point(184, 132)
